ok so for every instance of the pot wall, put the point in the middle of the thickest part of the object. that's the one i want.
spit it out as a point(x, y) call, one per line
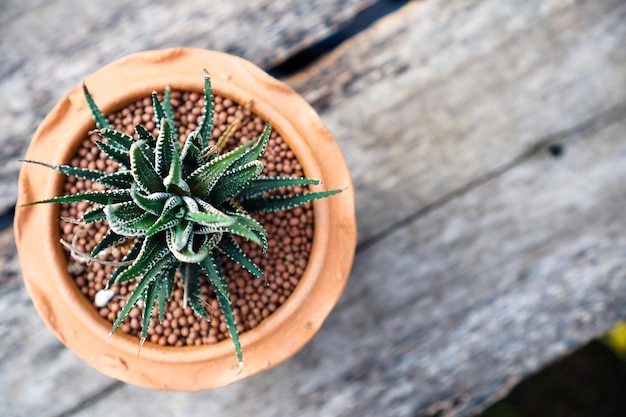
point(70, 315)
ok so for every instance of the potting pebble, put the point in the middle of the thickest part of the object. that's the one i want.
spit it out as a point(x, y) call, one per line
point(290, 233)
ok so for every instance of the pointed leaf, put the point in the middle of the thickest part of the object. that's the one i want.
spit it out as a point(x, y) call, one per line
point(94, 215)
point(169, 112)
point(191, 274)
point(152, 293)
point(128, 219)
point(253, 226)
point(254, 153)
point(188, 254)
point(263, 185)
point(144, 135)
point(206, 124)
point(110, 238)
point(87, 174)
point(213, 270)
point(182, 233)
point(159, 113)
point(166, 289)
point(119, 180)
point(117, 139)
point(144, 173)
point(153, 251)
point(152, 203)
point(165, 148)
point(210, 219)
point(229, 246)
point(94, 197)
point(132, 254)
point(190, 155)
point(173, 212)
point(277, 203)
point(233, 181)
point(114, 153)
point(202, 180)
point(139, 290)
point(98, 117)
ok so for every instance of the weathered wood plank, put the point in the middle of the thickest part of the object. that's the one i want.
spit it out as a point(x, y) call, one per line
point(450, 311)
point(38, 375)
point(49, 47)
point(447, 91)
point(500, 276)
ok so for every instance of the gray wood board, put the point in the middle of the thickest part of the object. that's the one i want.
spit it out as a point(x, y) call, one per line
point(445, 92)
point(38, 375)
point(48, 47)
point(489, 257)
point(449, 312)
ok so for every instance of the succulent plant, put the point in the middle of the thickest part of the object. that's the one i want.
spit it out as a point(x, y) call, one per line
point(181, 206)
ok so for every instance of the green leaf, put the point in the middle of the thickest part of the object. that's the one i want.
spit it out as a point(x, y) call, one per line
point(254, 227)
point(114, 153)
point(244, 231)
point(151, 295)
point(165, 149)
point(182, 231)
point(144, 135)
point(87, 174)
point(159, 113)
point(144, 173)
point(173, 212)
point(110, 238)
point(169, 112)
point(138, 292)
point(129, 219)
point(233, 181)
point(93, 197)
point(174, 180)
point(277, 203)
point(191, 279)
point(189, 254)
point(119, 180)
point(263, 185)
point(213, 270)
point(202, 180)
point(152, 203)
point(254, 153)
point(98, 117)
point(229, 246)
point(132, 254)
point(166, 289)
point(206, 124)
point(94, 215)
point(117, 139)
point(210, 219)
point(153, 251)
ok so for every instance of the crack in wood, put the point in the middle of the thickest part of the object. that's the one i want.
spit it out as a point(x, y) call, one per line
point(594, 124)
point(361, 21)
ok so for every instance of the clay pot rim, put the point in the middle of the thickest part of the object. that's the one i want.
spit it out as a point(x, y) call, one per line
point(231, 78)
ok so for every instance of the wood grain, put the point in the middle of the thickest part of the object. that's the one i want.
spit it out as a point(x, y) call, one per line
point(446, 314)
point(49, 47)
point(482, 257)
point(445, 92)
point(38, 375)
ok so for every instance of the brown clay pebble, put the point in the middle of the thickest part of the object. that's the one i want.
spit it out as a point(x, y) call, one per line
point(290, 233)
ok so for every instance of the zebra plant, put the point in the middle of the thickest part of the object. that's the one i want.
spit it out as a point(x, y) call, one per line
point(181, 206)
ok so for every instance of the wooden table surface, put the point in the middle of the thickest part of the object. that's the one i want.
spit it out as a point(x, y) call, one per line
point(487, 141)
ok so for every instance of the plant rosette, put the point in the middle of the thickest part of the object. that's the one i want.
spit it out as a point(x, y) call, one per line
point(72, 317)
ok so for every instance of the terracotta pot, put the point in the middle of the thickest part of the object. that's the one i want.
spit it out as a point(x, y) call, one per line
point(71, 316)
